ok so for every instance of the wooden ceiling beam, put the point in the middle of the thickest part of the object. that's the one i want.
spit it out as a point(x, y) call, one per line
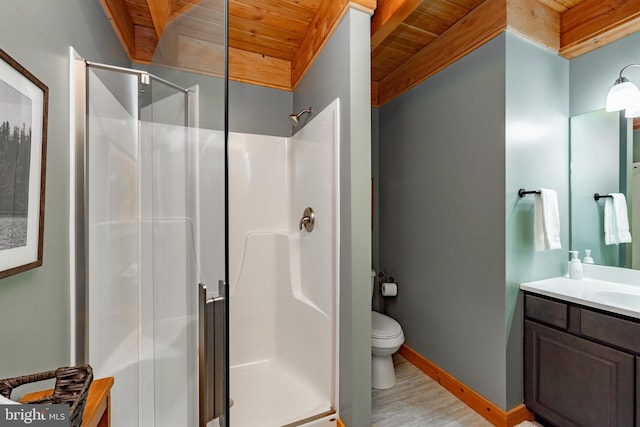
point(182, 7)
point(208, 58)
point(160, 12)
point(367, 6)
point(318, 32)
point(255, 68)
point(374, 94)
point(536, 21)
point(146, 43)
point(594, 23)
point(118, 13)
point(389, 15)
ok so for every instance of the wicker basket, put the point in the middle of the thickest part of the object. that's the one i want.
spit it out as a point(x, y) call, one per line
point(72, 388)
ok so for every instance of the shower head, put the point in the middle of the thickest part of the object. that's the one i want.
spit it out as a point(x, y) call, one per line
point(295, 118)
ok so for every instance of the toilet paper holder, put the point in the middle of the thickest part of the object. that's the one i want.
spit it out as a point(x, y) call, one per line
point(388, 285)
point(389, 289)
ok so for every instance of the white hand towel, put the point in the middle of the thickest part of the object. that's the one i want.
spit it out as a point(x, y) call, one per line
point(616, 222)
point(546, 221)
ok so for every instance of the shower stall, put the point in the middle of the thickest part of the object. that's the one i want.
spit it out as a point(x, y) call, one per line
point(195, 284)
point(283, 275)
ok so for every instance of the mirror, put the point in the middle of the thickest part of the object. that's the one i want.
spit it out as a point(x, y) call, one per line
point(601, 161)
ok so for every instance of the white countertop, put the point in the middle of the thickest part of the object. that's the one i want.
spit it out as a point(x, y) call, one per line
point(613, 296)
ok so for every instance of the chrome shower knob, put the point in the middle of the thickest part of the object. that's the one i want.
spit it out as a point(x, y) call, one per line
point(307, 221)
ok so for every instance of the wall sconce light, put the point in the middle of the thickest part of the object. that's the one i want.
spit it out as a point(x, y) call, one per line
point(624, 95)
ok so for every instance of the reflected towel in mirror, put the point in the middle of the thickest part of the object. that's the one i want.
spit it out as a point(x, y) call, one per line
point(546, 221)
point(616, 222)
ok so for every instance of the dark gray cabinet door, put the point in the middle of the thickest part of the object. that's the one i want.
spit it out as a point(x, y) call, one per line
point(571, 381)
point(638, 391)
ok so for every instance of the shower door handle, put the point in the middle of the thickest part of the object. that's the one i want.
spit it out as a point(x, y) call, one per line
point(211, 354)
point(203, 355)
point(217, 308)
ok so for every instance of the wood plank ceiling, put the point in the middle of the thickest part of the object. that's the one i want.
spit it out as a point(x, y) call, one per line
point(273, 42)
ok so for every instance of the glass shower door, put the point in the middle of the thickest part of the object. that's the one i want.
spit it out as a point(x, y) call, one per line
point(205, 72)
point(168, 256)
point(151, 227)
point(187, 192)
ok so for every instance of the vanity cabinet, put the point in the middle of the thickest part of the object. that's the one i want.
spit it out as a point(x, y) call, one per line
point(580, 364)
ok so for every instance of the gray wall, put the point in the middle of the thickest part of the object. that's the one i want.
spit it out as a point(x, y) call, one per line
point(342, 69)
point(442, 217)
point(35, 304)
point(453, 231)
point(260, 110)
point(537, 155)
point(252, 109)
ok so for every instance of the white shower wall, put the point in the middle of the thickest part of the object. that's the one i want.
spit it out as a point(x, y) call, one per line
point(283, 281)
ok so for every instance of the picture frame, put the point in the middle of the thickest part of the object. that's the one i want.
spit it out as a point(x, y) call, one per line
point(23, 145)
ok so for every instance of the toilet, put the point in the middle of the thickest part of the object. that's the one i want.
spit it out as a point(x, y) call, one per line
point(386, 339)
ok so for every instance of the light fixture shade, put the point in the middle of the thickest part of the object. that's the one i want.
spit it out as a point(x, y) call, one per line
point(622, 96)
point(632, 112)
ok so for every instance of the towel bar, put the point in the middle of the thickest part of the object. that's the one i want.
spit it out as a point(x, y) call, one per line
point(522, 192)
point(597, 196)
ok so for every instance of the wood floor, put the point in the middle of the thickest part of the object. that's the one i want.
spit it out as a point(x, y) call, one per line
point(418, 401)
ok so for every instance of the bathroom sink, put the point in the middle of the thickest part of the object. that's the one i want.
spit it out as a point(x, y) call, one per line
point(620, 299)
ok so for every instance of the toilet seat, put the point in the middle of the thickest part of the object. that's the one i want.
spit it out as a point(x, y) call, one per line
point(386, 333)
point(384, 327)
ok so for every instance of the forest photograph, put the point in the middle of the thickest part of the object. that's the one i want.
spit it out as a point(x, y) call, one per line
point(15, 154)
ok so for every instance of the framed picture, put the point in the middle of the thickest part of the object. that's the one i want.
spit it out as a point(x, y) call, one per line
point(23, 144)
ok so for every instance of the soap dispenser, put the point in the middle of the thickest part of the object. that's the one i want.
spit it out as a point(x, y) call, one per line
point(575, 266)
point(587, 257)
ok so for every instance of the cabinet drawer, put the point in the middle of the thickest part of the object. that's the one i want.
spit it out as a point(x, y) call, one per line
point(611, 330)
point(543, 310)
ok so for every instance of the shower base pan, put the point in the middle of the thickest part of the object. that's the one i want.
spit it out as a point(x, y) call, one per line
point(265, 394)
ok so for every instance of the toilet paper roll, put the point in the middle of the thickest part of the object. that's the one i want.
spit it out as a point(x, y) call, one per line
point(389, 289)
